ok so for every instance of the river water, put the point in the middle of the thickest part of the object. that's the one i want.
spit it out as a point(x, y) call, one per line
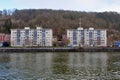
point(60, 66)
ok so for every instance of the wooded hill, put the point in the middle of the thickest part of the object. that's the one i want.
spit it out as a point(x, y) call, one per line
point(60, 20)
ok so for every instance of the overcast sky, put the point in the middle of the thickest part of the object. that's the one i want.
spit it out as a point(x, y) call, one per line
point(79, 5)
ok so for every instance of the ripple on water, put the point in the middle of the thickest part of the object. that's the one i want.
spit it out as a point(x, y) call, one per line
point(117, 63)
point(59, 67)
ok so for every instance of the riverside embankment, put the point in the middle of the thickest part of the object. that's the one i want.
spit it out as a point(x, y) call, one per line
point(61, 49)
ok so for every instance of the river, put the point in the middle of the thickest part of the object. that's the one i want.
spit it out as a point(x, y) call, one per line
point(60, 66)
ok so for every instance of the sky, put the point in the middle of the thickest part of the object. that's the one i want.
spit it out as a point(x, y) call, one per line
point(76, 5)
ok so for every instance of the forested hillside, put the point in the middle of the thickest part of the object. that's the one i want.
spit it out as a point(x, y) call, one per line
point(60, 20)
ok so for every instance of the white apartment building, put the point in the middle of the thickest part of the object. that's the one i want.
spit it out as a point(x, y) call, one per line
point(87, 37)
point(31, 37)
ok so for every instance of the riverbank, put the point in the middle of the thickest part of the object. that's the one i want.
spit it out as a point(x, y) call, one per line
point(61, 49)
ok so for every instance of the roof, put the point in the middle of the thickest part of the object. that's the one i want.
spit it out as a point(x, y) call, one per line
point(85, 29)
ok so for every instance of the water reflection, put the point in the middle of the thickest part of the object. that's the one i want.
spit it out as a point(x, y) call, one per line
point(89, 61)
point(4, 58)
point(60, 63)
point(65, 66)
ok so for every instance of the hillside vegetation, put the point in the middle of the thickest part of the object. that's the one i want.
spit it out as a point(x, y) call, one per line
point(60, 20)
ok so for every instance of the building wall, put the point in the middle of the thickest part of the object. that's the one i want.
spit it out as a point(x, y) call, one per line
point(87, 37)
point(4, 38)
point(31, 37)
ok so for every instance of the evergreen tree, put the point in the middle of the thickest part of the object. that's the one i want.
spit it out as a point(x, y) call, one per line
point(7, 26)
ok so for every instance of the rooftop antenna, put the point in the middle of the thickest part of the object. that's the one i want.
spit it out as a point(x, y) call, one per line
point(80, 23)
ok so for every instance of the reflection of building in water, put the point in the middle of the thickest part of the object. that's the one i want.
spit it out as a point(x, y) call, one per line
point(4, 58)
point(60, 63)
point(44, 62)
point(21, 60)
point(37, 62)
point(89, 61)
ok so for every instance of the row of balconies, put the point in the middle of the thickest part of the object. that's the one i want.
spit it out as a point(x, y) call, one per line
point(31, 43)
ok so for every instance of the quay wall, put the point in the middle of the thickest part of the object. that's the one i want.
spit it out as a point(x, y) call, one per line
point(64, 49)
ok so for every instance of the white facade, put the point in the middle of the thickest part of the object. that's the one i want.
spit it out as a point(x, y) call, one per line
point(87, 37)
point(31, 37)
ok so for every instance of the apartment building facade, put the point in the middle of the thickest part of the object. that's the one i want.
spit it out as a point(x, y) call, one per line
point(31, 37)
point(87, 37)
